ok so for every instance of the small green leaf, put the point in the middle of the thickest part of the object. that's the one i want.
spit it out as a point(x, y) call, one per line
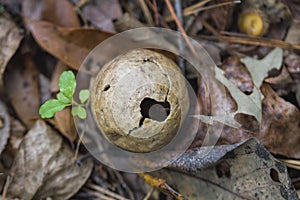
point(79, 111)
point(67, 84)
point(50, 107)
point(84, 95)
point(61, 97)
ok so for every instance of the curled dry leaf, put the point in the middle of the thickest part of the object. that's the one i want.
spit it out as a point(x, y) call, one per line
point(241, 171)
point(4, 126)
point(44, 167)
point(21, 85)
point(61, 13)
point(70, 45)
point(10, 38)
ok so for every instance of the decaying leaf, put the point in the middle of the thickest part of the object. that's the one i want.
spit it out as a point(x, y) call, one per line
point(241, 171)
point(44, 167)
point(102, 13)
point(65, 123)
point(10, 38)
point(247, 104)
point(70, 45)
point(61, 13)
point(280, 125)
point(22, 88)
point(4, 126)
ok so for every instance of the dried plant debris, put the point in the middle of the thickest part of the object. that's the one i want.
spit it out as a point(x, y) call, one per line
point(10, 38)
point(4, 126)
point(22, 87)
point(61, 13)
point(241, 171)
point(44, 167)
point(70, 45)
point(247, 104)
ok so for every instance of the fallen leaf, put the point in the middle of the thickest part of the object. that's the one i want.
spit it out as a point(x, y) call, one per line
point(70, 45)
point(10, 38)
point(241, 171)
point(293, 33)
point(44, 88)
point(102, 13)
point(61, 13)
point(280, 125)
point(22, 88)
point(292, 61)
point(4, 126)
point(65, 124)
point(58, 70)
point(44, 167)
point(246, 104)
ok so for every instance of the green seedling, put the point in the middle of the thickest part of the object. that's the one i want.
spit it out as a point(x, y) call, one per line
point(67, 85)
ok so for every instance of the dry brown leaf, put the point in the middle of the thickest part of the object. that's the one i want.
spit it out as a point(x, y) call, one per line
point(70, 45)
point(44, 167)
point(10, 38)
point(280, 128)
point(241, 171)
point(65, 124)
point(102, 13)
point(61, 13)
point(4, 126)
point(21, 85)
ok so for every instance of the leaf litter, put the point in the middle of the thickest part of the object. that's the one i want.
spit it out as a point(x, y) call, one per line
point(46, 166)
point(247, 104)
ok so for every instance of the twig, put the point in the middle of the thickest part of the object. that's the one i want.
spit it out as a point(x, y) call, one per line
point(146, 12)
point(124, 185)
point(207, 26)
point(79, 142)
point(81, 3)
point(188, 11)
point(295, 164)
point(259, 41)
point(149, 194)
point(156, 13)
point(7, 183)
point(178, 8)
point(197, 5)
point(99, 195)
point(107, 192)
point(161, 185)
point(180, 27)
point(154, 9)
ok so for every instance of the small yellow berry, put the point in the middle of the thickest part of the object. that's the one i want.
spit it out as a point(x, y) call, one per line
point(253, 23)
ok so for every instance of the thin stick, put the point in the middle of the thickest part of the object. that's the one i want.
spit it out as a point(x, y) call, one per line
point(259, 41)
point(107, 192)
point(178, 8)
point(156, 13)
point(124, 185)
point(146, 12)
point(188, 11)
point(149, 194)
point(180, 27)
point(154, 9)
point(197, 5)
point(7, 183)
point(208, 26)
point(99, 195)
